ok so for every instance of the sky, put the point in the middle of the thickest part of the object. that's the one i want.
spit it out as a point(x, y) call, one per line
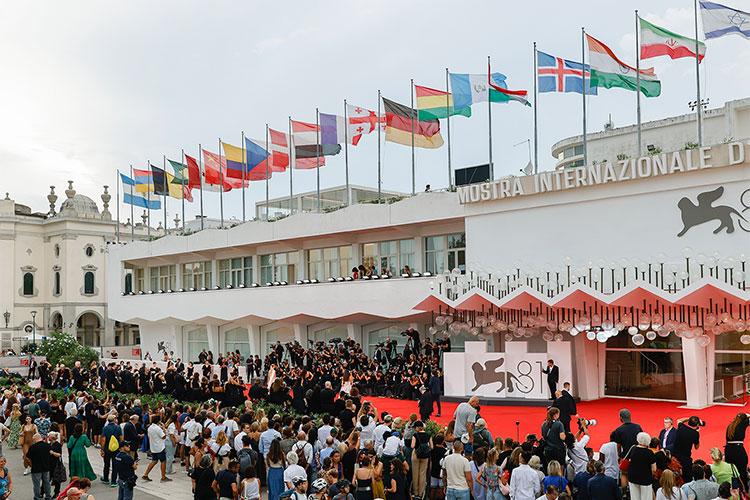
point(89, 87)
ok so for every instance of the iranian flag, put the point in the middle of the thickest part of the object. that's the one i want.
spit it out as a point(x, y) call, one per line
point(608, 71)
point(656, 41)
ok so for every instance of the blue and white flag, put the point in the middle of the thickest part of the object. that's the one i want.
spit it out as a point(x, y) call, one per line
point(720, 20)
point(555, 74)
point(139, 200)
point(126, 181)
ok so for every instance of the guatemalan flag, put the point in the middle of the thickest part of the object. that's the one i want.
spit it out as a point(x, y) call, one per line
point(556, 74)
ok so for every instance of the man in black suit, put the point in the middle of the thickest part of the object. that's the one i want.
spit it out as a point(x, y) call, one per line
point(668, 434)
point(553, 376)
point(565, 402)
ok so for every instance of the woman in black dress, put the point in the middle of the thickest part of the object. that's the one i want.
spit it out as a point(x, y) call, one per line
point(734, 451)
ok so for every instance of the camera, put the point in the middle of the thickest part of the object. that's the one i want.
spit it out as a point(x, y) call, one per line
point(586, 422)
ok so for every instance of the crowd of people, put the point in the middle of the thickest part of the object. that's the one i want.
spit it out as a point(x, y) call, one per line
point(323, 438)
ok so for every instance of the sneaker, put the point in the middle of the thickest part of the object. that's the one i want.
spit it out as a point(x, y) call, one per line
point(113, 485)
point(27, 471)
point(146, 478)
point(103, 479)
point(165, 479)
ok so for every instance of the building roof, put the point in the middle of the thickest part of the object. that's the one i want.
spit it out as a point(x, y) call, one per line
point(84, 206)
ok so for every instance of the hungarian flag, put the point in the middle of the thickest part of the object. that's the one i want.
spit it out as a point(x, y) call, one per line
point(608, 71)
point(512, 95)
point(434, 103)
point(656, 41)
point(402, 125)
point(361, 121)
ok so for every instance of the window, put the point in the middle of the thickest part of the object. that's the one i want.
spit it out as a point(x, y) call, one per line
point(28, 284)
point(236, 271)
point(573, 151)
point(278, 267)
point(89, 251)
point(445, 253)
point(324, 263)
point(88, 283)
point(197, 340)
point(139, 279)
point(237, 339)
point(731, 365)
point(163, 277)
point(379, 336)
point(56, 286)
point(389, 257)
point(327, 334)
point(128, 282)
point(57, 250)
point(197, 275)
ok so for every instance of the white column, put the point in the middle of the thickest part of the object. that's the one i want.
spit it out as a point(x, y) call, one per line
point(300, 333)
point(213, 339)
point(356, 254)
point(214, 277)
point(589, 380)
point(695, 362)
point(354, 331)
point(301, 268)
point(256, 271)
point(179, 343)
point(177, 276)
point(253, 332)
point(418, 254)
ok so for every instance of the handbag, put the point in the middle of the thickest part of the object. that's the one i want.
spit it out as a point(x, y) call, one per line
point(59, 475)
point(625, 462)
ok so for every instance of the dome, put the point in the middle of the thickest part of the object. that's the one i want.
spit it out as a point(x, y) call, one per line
point(84, 206)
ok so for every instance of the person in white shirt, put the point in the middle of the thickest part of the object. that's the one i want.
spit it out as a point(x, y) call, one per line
point(576, 445)
point(608, 455)
point(71, 409)
point(324, 431)
point(524, 482)
point(171, 444)
point(457, 473)
point(392, 445)
point(292, 470)
point(231, 425)
point(302, 444)
point(157, 444)
point(239, 436)
point(381, 429)
point(366, 428)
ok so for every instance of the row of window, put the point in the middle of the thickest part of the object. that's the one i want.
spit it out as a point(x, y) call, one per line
point(441, 253)
point(27, 288)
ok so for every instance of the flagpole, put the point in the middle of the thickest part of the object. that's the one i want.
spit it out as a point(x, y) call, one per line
point(380, 182)
point(185, 172)
point(637, 83)
point(200, 175)
point(148, 198)
point(536, 108)
point(346, 155)
point(413, 165)
point(165, 189)
point(699, 105)
point(244, 168)
point(448, 126)
point(221, 190)
point(117, 228)
point(268, 175)
point(489, 117)
point(317, 152)
point(583, 93)
point(132, 211)
point(292, 160)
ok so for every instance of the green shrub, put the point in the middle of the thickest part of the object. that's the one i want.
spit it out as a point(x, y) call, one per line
point(64, 348)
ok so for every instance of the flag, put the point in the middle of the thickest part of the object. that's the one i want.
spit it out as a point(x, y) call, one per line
point(164, 184)
point(555, 74)
point(143, 181)
point(468, 89)
point(720, 20)
point(434, 103)
point(361, 121)
point(235, 159)
point(181, 174)
point(140, 200)
point(215, 171)
point(608, 71)
point(126, 181)
point(194, 172)
point(256, 156)
point(656, 41)
point(512, 95)
point(400, 120)
point(306, 145)
point(279, 150)
point(332, 129)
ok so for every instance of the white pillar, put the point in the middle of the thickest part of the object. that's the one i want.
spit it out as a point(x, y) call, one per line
point(354, 331)
point(253, 331)
point(179, 343)
point(300, 333)
point(695, 362)
point(213, 339)
point(419, 264)
point(589, 381)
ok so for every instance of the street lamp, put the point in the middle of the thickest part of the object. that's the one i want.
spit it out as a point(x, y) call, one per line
point(6, 315)
point(33, 327)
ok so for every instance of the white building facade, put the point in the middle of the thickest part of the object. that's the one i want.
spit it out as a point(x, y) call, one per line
point(632, 274)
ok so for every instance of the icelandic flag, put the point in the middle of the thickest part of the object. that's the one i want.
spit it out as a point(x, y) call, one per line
point(555, 74)
point(720, 20)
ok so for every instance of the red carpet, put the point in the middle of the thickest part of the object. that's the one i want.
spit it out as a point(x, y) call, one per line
point(501, 420)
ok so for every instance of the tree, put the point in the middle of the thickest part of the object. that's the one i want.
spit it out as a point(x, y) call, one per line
point(64, 348)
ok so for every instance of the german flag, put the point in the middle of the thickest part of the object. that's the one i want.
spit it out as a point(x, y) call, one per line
point(400, 120)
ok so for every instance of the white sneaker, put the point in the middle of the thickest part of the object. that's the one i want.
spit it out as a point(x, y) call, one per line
point(27, 471)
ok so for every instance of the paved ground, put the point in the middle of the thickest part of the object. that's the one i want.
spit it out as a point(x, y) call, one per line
point(179, 489)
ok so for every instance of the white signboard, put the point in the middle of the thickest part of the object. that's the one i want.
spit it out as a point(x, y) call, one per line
point(516, 373)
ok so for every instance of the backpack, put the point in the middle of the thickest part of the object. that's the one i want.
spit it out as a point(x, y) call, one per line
point(247, 457)
point(113, 445)
point(301, 458)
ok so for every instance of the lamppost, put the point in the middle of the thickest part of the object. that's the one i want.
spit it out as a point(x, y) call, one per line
point(33, 328)
point(6, 315)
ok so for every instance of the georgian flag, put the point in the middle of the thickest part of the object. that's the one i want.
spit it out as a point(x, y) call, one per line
point(361, 121)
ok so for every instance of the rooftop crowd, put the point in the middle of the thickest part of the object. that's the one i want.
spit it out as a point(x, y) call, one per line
point(308, 430)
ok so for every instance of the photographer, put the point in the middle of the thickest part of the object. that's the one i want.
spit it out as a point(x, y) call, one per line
point(578, 454)
point(686, 439)
point(553, 434)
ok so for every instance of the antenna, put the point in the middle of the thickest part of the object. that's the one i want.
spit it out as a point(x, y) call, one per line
point(529, 168)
